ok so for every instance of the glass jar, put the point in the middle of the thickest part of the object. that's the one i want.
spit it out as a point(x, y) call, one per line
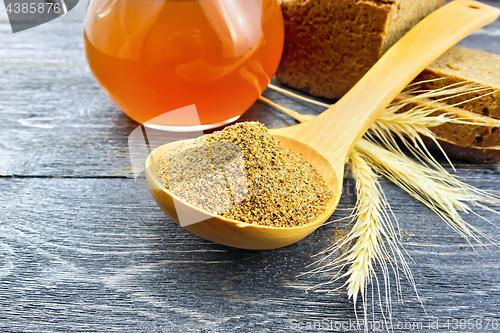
point(153, 57)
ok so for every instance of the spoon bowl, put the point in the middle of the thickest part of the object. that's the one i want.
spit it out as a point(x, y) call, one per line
point(234, 233)
point(326, 141)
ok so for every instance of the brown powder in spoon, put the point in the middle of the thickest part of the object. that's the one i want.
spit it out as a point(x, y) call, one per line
point(244, 174)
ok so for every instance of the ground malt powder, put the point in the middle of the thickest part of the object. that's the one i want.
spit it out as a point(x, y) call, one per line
point(243, 173)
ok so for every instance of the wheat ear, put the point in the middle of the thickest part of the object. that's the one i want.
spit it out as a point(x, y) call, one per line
point(437, 189)
point(372, 240)
point(427, 181)
point(409, 126)
point(373, 235)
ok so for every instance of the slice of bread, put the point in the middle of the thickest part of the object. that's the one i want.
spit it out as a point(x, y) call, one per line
point(331, 44)
point(460, 65)
point(464, 65)
point(478, 132)
point(477, 140)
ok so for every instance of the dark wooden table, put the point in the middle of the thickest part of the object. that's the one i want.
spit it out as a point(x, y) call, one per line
point(85, 248)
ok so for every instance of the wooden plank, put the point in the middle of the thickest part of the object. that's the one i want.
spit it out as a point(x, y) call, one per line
point(56, 120)
point(97, 254)
point(84, 253)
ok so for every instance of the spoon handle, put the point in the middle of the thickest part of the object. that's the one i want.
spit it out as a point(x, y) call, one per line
point(335, 132)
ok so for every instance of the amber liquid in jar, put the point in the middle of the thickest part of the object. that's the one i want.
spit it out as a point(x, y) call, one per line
point(155, 56)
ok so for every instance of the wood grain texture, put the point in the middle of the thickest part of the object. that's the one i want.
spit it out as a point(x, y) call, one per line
point(85, 249)
point(97, 254)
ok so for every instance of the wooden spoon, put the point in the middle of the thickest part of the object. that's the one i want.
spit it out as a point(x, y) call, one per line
point(327, 140)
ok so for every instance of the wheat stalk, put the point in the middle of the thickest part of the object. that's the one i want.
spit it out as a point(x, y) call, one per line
point(437, 189)
point(427, 181)
point(411, 125)
point(373, 235)
point(375, 241)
